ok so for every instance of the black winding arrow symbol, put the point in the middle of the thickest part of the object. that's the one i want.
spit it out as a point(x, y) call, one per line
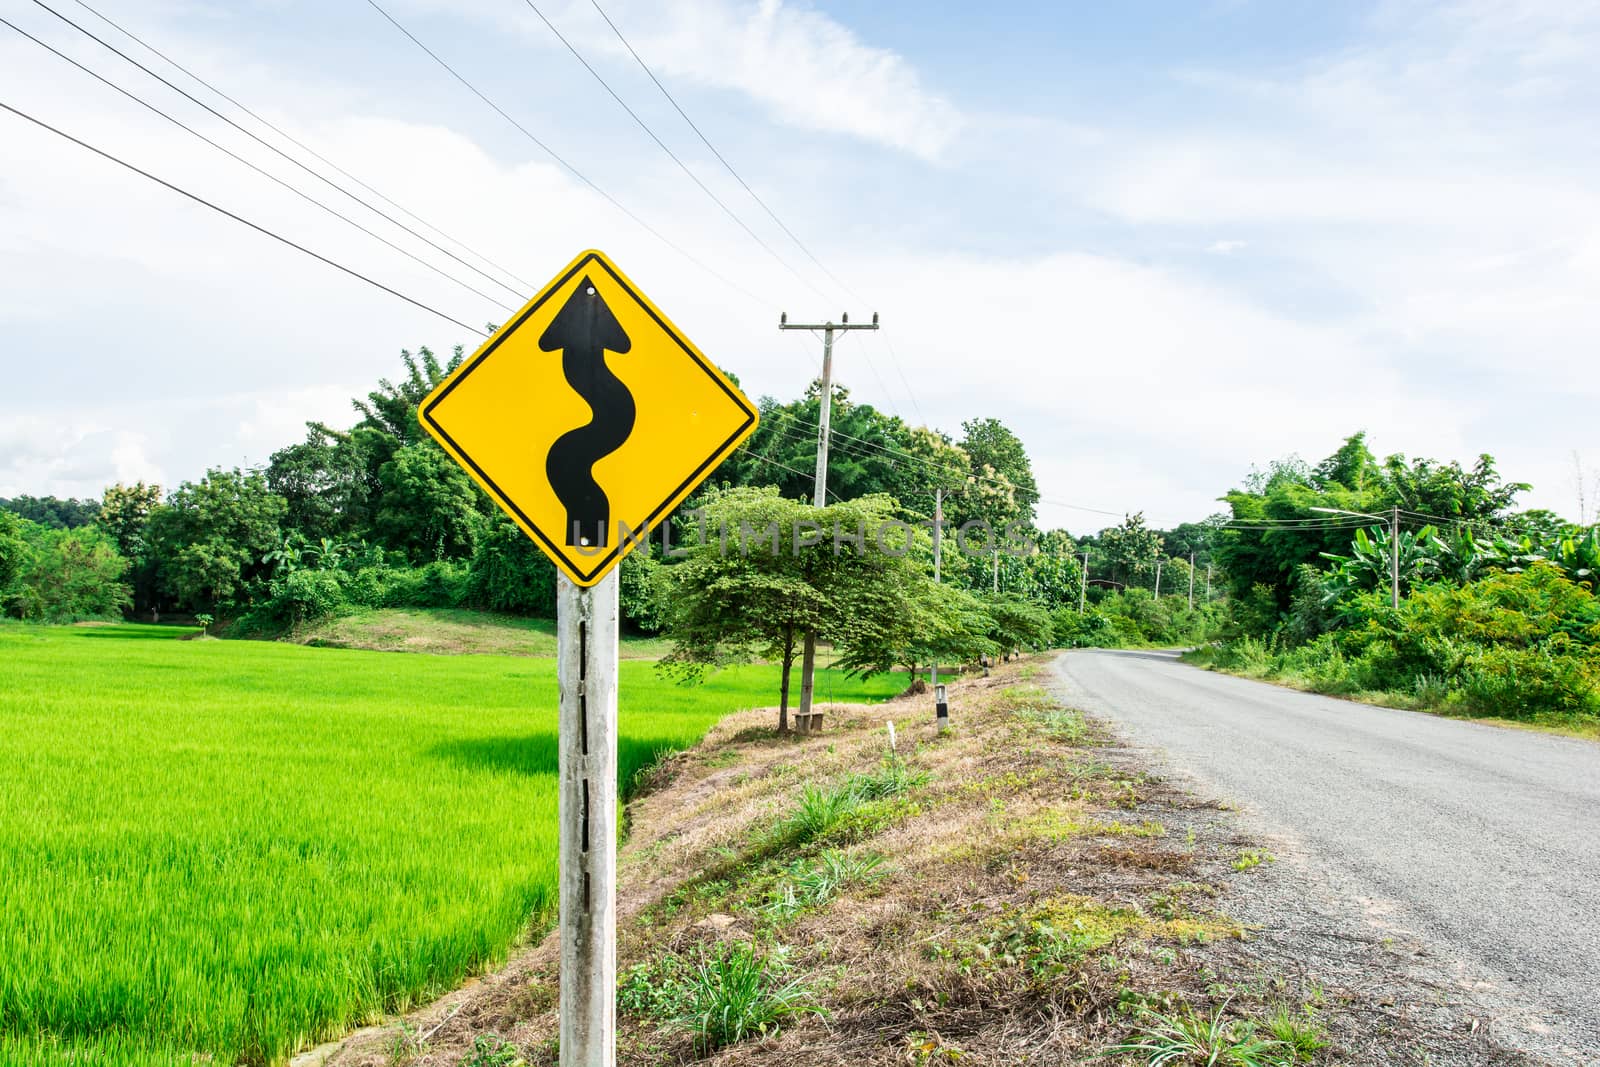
point(585, 329)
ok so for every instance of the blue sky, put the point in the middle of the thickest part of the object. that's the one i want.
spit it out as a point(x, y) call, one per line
point(1163, 241)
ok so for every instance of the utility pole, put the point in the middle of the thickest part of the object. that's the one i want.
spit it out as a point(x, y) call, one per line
point(996, 587)
point(1208, 583)
point(1394, 558)
point(1191, 581)
point(1393, 519)
point(819, 496)
point(586, 669)
point(1158, 579)
point(941, 707)
point(1083, 582)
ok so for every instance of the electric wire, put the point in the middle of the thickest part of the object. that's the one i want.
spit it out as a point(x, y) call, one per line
point(147, 46)
point(239, 218)
point(259, 170)
point(846, 289)
point(670, 153)
point(574, 171)
point(721, 158)
point(274, 148)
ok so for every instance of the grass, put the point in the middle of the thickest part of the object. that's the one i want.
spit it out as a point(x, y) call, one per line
point(1187, 1037)
point(236, 849)
point(724, 995)
point(453, 631)
point(810, 884)
point(1429, 694)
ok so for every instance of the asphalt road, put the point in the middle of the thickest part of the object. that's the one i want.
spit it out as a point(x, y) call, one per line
point(1483, 841)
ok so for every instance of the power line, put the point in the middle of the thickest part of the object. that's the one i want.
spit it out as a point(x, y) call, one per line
point(274, 148)
point(264, 173)
point(574, 171)
point(954, 472)
point(141, 42)
point(721, 158)
point(754, 196)
point(670, 153)
point(239, 218)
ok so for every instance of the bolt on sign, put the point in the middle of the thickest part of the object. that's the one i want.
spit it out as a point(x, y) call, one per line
point(588, 417)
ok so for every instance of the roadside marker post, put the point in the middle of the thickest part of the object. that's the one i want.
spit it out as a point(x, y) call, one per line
point(588, 418)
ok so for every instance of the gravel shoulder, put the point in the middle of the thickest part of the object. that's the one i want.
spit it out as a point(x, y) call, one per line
point(1447, 858)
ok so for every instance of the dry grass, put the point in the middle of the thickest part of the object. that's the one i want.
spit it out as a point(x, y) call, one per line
point(1037, 889)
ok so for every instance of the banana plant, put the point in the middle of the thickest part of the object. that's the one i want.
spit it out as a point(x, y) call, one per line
point(1368, 564)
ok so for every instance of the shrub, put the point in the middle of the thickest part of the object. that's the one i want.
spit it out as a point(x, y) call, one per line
point(305, 595)
point(440, 584)
point(509, 573)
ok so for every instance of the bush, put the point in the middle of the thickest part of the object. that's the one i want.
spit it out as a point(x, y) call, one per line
point(305, 595)
point(440, 584)
point(1521, 645)
point(508, 573)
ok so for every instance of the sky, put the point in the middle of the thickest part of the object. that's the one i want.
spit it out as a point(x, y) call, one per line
point(1164, 242)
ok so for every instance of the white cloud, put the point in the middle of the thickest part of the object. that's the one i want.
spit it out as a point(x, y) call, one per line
point(1226, 248)
point(802, 67)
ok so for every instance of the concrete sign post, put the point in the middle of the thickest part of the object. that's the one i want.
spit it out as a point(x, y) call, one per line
point(588, 418)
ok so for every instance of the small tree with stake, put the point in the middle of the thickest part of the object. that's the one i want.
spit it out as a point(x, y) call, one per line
point(755, 587)
point(735, 596)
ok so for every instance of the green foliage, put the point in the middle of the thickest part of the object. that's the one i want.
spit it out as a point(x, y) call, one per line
point(318, 837)
point(1517, 645)
point(1134, 618)
point(211, 539)
point(642, 590)
point(812, 882)
point(734, 992)
point(490, 1051)
point(509, 573)
point(997, 453)
point(1283, 533)
point(723, 994)
point(755, 587)
point(1016, 623)
point(1186, 1036)
point(1298, 1031)
point(13, 549)
point(61, 575)
point(53, 513)
point(428, 507)
point(1132, 549)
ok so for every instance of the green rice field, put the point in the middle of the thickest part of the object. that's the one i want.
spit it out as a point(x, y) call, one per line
point(238, 849)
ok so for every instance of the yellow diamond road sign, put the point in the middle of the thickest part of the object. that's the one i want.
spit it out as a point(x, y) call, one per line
point(588, 417)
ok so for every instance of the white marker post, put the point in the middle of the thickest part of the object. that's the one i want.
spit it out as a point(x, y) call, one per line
point(586, 657)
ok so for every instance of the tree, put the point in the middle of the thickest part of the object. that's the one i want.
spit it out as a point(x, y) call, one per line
point(1131, 548)
point(51, 512)
point(1446, 490)
point(68, 575)
point(124, 514)
point(1016, 623)
point(783, 450)
point(391, 409)
point(13, 549)
point(330, 480)
point(509, 573)
point(1050, 574)
point(756, 596)
point(994, 449)
point(1352, 467)
point(212, 537)
point(428, 507)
